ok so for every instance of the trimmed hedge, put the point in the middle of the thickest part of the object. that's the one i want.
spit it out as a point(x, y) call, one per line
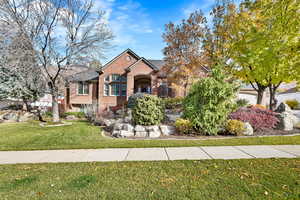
point(133, 98)
point(148, 110)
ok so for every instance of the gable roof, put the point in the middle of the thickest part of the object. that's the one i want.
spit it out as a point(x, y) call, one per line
point(146, 61)
point(90, 74)
point(157, 63)
point(118, 56)
point(93, 74)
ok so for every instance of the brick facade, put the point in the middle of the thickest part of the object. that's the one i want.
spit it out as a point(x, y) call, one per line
point(127, 64)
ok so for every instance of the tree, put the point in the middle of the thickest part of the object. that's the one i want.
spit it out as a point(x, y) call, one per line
point(264, 44)
point(184, 55)
point(20, 76)
point(62, 32)
point(215, 43)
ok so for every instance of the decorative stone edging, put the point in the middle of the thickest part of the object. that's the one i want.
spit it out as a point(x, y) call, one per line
point(108, 136)
point(56, 125)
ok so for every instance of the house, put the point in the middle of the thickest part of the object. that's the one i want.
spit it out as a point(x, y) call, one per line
point(124, 75)
point(115, 82)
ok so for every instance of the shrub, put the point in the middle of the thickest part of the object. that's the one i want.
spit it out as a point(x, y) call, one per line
point(133, 98)
point(293, 103)
point(48, 114)
point(259, 106)
point(209, 102)
point(90, 111)
point(242, 103)
point(148, 110)
point(235, 127)
point(259, 119)
point(76, 114)
point(171, 103)
point(184, 126)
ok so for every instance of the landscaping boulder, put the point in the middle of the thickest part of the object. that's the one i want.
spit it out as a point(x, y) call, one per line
point(286, 121)
point(71, 117)
point(248, 129)
point(24, 117)
point(118, 126)
point(128, 127)
point(125, 134)
point(116, 133)
point(283, 107)
point(172, 117)
point(141, 134)
point(153, 131)
point(127, 119)
point(140, 131)
point(139, 128)
point(167, 130)
point(11, 116)
point(108, 122)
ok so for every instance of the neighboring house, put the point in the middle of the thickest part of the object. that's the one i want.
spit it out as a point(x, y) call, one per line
point(286, 91)
point(45, 102)
point(111, 86)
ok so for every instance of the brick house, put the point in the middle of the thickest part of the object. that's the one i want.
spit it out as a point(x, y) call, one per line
point(111, 86)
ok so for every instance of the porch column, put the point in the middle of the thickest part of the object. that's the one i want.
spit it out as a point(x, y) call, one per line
point(130, 85)
point(153, 84)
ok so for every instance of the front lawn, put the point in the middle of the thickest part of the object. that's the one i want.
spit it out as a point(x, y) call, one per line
point(82, 135)
point(210, 179)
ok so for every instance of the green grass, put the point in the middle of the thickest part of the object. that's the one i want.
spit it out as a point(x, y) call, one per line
point(210, 179)
point(82, 135)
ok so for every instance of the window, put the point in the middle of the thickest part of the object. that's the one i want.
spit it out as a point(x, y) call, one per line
point(123, 79)
point(123, 89)
point(115, 77)
point(115, 85)
point(115, 89)
point(106, 89)
point(83, 88)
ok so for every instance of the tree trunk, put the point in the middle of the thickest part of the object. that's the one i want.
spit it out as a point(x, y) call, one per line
point(55, 110)
point(260, 91)
point(260, 95)
point(27, 105)
point(273, 100)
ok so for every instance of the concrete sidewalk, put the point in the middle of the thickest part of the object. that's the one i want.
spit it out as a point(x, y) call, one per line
point(150, 154)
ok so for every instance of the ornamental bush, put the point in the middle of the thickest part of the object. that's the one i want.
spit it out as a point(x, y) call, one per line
point(133, 98)
point(235, 127)
point(148, 110)
point(184, 126)
point(259, 119)
point(209, 102)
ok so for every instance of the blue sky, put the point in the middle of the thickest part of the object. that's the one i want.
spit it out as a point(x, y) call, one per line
point(139, 24)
